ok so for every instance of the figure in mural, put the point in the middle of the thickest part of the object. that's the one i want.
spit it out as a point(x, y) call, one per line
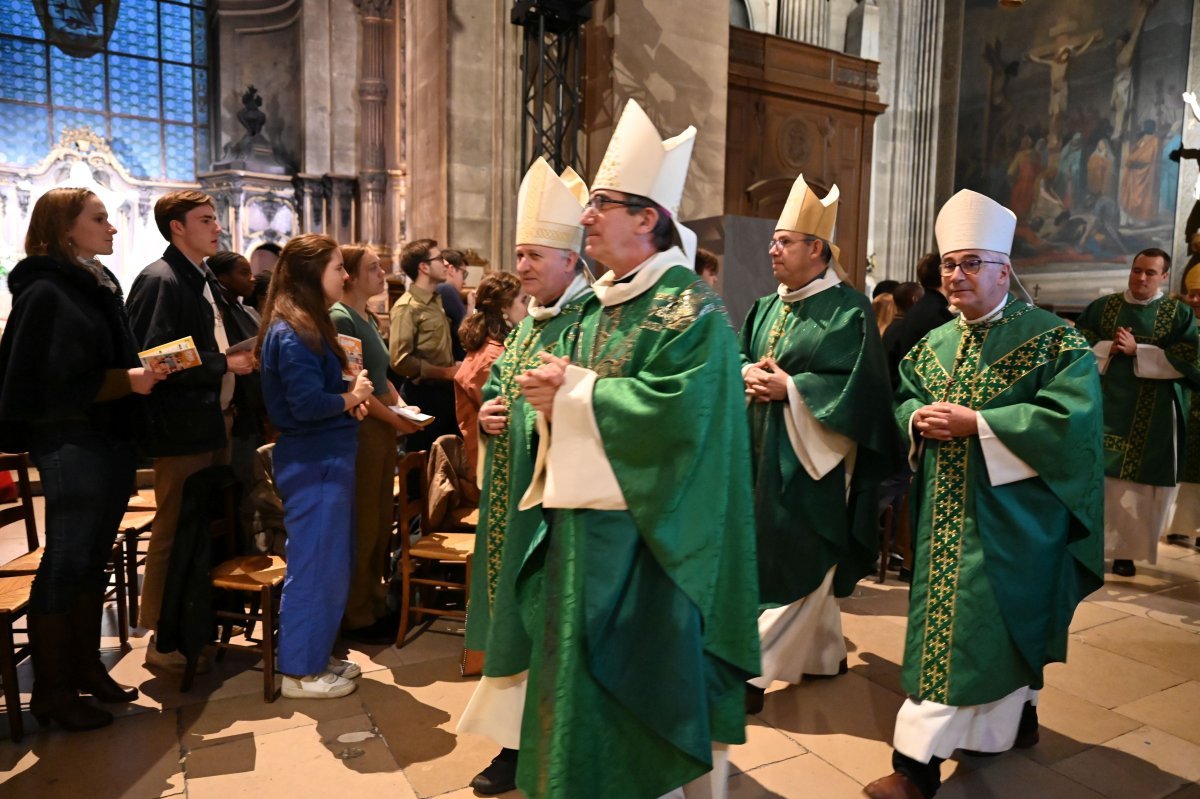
point(1139, 176)
point(1023, 175)
point(1070, 172)
point(1122, 91)
point(1058, 57)
point(1101, 177)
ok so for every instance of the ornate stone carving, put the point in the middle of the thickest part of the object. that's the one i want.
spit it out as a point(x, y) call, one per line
point(374, 9)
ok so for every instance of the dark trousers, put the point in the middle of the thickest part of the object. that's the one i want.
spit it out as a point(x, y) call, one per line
point(437, 399)
point(86, 478)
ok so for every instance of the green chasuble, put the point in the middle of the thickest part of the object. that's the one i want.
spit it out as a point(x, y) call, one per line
point(644, 621)
point(1000, 569)
point(828, 342)
point(504, 533)
point(1190, 468)
point(1143, 417)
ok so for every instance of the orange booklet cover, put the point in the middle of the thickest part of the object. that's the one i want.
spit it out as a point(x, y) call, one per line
point(174, 356)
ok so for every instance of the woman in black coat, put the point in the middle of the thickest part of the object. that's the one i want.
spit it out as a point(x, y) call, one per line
point(69, 374)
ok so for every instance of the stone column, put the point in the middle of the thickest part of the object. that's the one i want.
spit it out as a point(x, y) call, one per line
point(372, 101)
point(805, 21)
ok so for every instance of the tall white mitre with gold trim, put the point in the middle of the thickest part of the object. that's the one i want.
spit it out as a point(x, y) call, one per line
point(549, 207)
point(639, 161)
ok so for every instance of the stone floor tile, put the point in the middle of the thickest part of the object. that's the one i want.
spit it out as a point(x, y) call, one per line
point(1106, 679)
point(1148, 641)
point(1191, 791)
point(1178, 606)
point(1070, 725)
point(805, 775)
point(1143, 764)
point(1175, 710)
point(1012, 777)
point(136, 757)
point(312, 761)
point(764, 745)
point(214, 722)
point(1091, 614)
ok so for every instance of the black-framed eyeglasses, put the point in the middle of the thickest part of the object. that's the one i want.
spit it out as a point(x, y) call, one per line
point(434, 258)
point(784, 243)
point(970, 266)
point(598, 201)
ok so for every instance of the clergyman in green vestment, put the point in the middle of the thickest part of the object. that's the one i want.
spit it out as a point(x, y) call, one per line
point(823, 438)
point(1145, 345)
point(547, 261)
point(1001, 407)
point(641, 597)
point(1184, 520)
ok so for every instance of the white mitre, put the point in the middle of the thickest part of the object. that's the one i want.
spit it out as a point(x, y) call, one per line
point(549, 207)
point(805, 213)
point(638, 161)
point(972, 221)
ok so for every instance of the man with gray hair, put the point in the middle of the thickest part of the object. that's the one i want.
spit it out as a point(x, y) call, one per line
point(1000, 409)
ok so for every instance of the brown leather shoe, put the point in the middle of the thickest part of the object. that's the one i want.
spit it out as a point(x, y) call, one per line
point(893, 786)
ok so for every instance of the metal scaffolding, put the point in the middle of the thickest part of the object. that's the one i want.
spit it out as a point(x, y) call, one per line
point(552, 107)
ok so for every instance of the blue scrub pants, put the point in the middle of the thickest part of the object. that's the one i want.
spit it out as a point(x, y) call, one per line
point(317, 489)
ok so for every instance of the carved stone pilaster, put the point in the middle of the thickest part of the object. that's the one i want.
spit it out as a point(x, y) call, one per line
point(372, 98)
point(805, 21)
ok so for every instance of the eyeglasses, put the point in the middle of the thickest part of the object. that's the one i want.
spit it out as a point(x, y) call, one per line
point(970, 266)
point(785, 242)
point(598, 201)
point(434, 258)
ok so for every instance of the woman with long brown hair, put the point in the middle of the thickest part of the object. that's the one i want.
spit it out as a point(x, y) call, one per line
point(365, 619)
point(302, 365)
point(500, 304)
point(68, 372)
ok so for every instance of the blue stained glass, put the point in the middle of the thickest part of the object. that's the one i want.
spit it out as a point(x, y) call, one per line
point(181, 152)
point(20, 19)
point(199, 37)
point(137, 29)
point(77, 82)
point(25, 65)
point(177, 93)
point(203, 153)
point(176, 24)
point(133, 86)
point(200, 82)
point(78, 119)
point(24, 134)
point(138, 143)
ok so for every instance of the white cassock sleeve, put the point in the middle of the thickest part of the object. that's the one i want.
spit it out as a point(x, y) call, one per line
point(1151, 362)
point(818, 448)
point(1003, 465)
point(1103, 351)
point(571, 469)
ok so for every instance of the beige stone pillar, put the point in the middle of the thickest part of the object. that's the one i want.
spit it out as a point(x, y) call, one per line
point(372, 100)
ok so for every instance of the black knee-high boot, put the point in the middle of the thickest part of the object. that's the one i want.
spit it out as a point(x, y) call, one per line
point(55, 697)
point(93, 677)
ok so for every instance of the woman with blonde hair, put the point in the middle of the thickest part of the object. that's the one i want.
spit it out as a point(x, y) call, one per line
point(68, 375)
point(302, 366)
point(500, 304)
point(885, 311)
point(365, 619)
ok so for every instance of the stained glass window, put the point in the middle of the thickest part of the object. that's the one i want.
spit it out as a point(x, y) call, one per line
point(140, 80)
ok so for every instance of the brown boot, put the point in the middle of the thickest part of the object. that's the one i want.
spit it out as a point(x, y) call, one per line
point(92, 675)
point(893, 786)
point(55, 697)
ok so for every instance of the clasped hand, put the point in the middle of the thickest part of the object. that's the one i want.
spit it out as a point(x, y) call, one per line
point(493, 416)
point(765, 381)
point(539, 385)
point(1125, 342)
point(945, 420)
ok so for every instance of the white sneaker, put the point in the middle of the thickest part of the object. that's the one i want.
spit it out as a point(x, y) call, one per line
point(344, 668)
point(172, 661)
point(326, 685)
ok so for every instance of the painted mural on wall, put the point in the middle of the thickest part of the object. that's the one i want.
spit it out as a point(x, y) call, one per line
point(1068, 112)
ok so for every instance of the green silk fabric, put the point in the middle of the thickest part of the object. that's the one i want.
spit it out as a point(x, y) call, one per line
point(644, 621)
point(999, 570)
point(1143, 417)
point(1190, 471)
point(829, 344)
point(504, 533)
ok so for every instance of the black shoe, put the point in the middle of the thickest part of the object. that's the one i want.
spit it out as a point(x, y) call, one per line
point(755, 699)
point(843, 667)
point(905, 575)
point(1179, 539)
point(500, 776)
point(1027, 731)
point(1124, 568)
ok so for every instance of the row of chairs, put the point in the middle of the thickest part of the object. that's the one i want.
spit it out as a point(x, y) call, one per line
point(255, 580)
